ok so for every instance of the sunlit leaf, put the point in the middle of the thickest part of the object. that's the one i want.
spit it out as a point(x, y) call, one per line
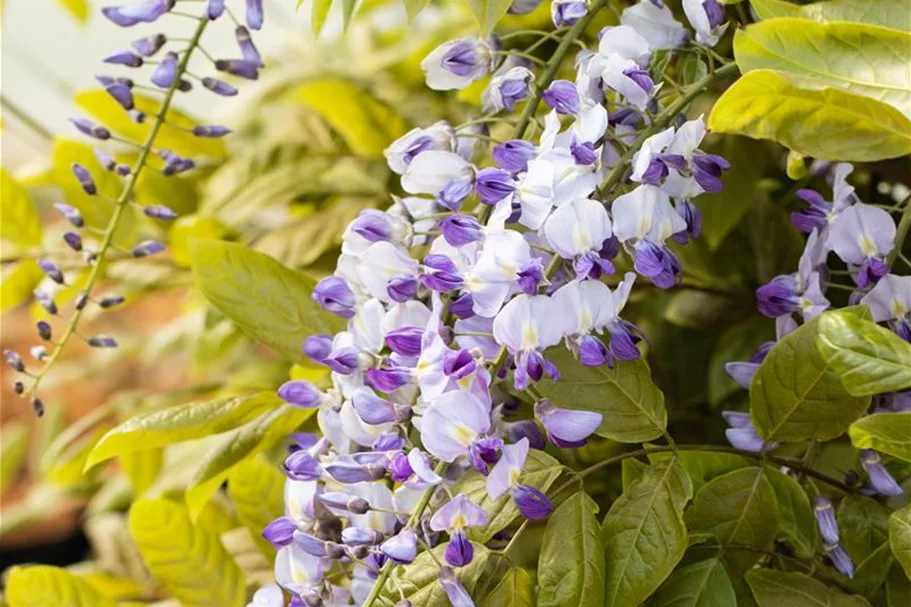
point(887, 13)
point(488, 13)
point(419, 580)
point(885, 432)
point(79, 9)
point(190, 227)
point(142, 468)
point(14, 439)
point(19, 221)
point(811, 118)
point(414, 7)
point(318, 13)
point(900, 537)
point(46, 586)
point(779, 589)
point(256, 488)
point(516, 589)
point(18, 284)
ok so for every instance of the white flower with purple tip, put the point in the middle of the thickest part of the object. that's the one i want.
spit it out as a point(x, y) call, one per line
point(655, 22)
point(453, 423)
point(707, 18)
point(566, 428)
point(890, 301)
point(504, 477)
point(525, 326)
point(454, 518)
point(457, 63)
point(577, 230)
point(438, 137)
point(863, 235)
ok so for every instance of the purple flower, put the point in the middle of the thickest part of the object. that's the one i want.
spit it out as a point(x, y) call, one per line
point(493, 185)
point(44, 330)
point(238, 67)
point(880, 479)
point(149, 45)
point(779, 296)
point(513, 155)
point(743, 435)
point(840, 559)
point(344, 361)
point(280, 531)
point(300, 393)
point(247, 48)
point(454, 193)
point(309, 544)
point(402, 288)
point(459, 551)
point(401, 548)
point(361, 536)
point(507, 88)
point(301, 466)
point(371, 408)
point(157, 211)
point(348, 472)
point(13, 359)
point(254, 14)
point(147, 248)
point(532, 503)
point(91, 129)
point(565, 427)
point(566, 12)
point(214, 9)
point(166, 72)
point(452, 423)
point(462, 306)
point(219, 87)
point(584, 152)
point(460, 229)
point(389, 379)
point(126, 58)
point(658, 264)
point(46, 301)
point(453, 588)
point(563, 96)
point(211, 131)
point(405, 341)
point(693, 219)
point(51, 270)
point(102, 341)
point(70, 213)
point(455, 517)
point(707, 169)
point(825, 518)
point(441, 274)
point(334, 295)
point(318, 347)
point(85, 180)
point(373, 225)
point(121, 94)
point(814, 218)
point(140, 12)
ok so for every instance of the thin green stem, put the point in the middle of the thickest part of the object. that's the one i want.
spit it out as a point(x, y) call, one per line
point(904, 225)
point(122, 203)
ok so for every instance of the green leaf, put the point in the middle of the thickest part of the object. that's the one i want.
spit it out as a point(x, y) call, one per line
point(863, 526)
point(142, 468)
point(866, 60)
point(643, 534)
point(194, 227)
point(257, 489)
point(737, 342)
point(900, 537)
point(180, 423)
point(516, 590)
point(414, 7)
point(78, 9)
point(898, 587)
point(268, 301)
point(737, 508)
point(796, 521)
point(18, 284)
point(46, 586)
point(702, 584)
point(811, 118)
point(703, 466)
point(348, 8)
point(366, 124)
point(631, 403)
point(419, 580)
point(188, 560)
point(19, 221)
point(779, 589)
point(885, 432)
point(488, 13)
point(571, 564)
point(795, 394)
point(887, 13)
point(14, 439)
point(540, 472)
point(318, 13)
point(870, 359)
point(175, 134)
point(630, 471)
point(235, 446)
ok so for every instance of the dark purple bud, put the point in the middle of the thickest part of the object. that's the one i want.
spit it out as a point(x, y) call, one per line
point(149, 247)
point(693, 218)
point(514, 155)
point(372, 409)
point(280, 532)
point(623, 339)
point(388, 380)
point(825, 518)
point(122, 170)
point(402, 288)
point(111, 301)
point(157, 211)
point(122, 94)
point(149, 45)
point(210, 131)
point(247, 48)
point(310, 544)
point(141, 12)
point(441, 274)
point(51, 270)
point(460, 364)
point(91, 129)
point(44, 330)
point(373, 225)
point(107, 162)
point(493, 185)
point(70, 213)
point(461, 59)
point(238, 67)
point(400, 469)
point(460, 229)
point(137, 116)
point(840, 560)
point(343, 361)
point(255, 14)
point(219, 87)
point(18, 387)
point(81, 301)
point(102, 341)
point(525, 428)
point(46, 301)
point(658, 264)
point(301, 466)
point(214, 9)
point(584, 153)
point(462, 306)
point(318, 347)
point(484, 453)
point(300, 393)
point(85, 180)
point(13, 359)
point(714, 11)
point(531, 275)
point(401, 548)
point(454, 193)
point(459, 551)
point(361, 536)
point(166, 72)
point(592, 351)
point(334, 295)
point(533, 504)
point(405, 341)
point(880, 479)
point(870, 271)
point(707, 169)
point(563, 96)
point(38, 406)
point(126, 58)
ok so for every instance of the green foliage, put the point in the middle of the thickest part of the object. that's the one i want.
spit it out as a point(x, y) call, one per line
point(579, 580)
point(14, 438)
point(78, 9)
point(488, 12)
point(19, 221)
point(887, 13)
point(631, 403)
point(257, 488)
point(418, 581)
point(142, 468)
point(644, 535)
point(46, 586)
point(189, 560)
point(900, 537)
point(796, 395)
point(268, 301)
point(869, 358)
point(701, 467)
point(701, 584)
point(888, 433)
point(517, 589)
point(796, 522)
point(18, 283)
point(779, 589)
point(864, 533)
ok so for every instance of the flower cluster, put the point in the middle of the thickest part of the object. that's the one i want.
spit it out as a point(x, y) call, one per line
point(454, 295)
point(169, 75)
point(861, 236)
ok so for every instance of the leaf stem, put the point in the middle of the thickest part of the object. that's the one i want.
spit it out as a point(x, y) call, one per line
point(122, 203)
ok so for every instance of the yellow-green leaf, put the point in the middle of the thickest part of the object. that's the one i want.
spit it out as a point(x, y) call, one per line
point(13, 449)
point(367, 125)
point(19, 222)
point(318, 13)
point(257, 489)
point(46, 586)
point(191, 227)
point(900, 537)
point(811, 118)
point(79, 9)
point(18, 284)
point(773, 588)
point(142, 468)
point(348, 8)
point(488, 13)
point(516, 589)
point(701, 584)
point(173, 135)
point(414, 7)
point(867, 60)
point(885, 432)
point(188, 560)
point(887, 13)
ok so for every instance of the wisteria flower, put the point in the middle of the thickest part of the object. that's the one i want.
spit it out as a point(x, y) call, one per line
point(454, 518)
point(504, 477)
point(525, 327)
point(457, 63)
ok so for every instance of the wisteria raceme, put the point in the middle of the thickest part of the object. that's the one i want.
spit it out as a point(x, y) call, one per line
point(170, 75)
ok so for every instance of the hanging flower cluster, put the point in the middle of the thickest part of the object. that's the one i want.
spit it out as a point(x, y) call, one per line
point(454, 295)
point(169, 75)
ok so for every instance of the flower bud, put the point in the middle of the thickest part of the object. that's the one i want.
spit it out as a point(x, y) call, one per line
point(110, 301)
point(102, 341)
point(46, 301)
point(81, 301)
point(402, 288)
point(318, 347)
point(238, 67)
point(126, 58)
point(219, 87)
point(85, 179)
point(361, 536)
point(51, 270)
point(149, 45)
point(301, 466)
point(825, 518)
point(18, 387)
point(70, 213)
point(149, 247)
point(39, 353)
point(212, 131)
point(38, 406)
point(13, 359)
point(247, 48)
point(334, 295)
point(254, 16)
point(280, 532)
point(166, 72)
point(214, 9)
point(157, 211)
point(44, 330)
point(562, 96)
point(300, 393)
point(91, 129)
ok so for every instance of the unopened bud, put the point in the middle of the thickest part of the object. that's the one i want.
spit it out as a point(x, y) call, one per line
point(73, 240)
point(18, 387)
point(44, 330)
point(38, 406)
point(102, 341)
point(51, 270)
point(39, 353)
point(13, 359)
point(110, 301)
point(81, 300)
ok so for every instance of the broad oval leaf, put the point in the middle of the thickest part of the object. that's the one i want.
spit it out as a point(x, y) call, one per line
point(885, 432)
point(796, 395)
point(796, 521)
point(256, 488)
point(702, 584)
point(46, 586)
point(887, 13)
point(488, 13)
point(811, 118)
point(517, 589)
point(268, 301)
point(900, 537)
point(19, 221)
point(870, 359)
point(866, 60)
point(898, 587)
point(571, 564)
point(644, 535)
point(419, 580)
point(779, 589)
point(703, 466)
point(19, 283)
point(189, 560)
point(541, 471)
point(14, 441)
point(631, 403)
point(180, 423)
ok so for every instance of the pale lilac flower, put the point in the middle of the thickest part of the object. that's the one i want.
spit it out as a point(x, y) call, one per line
point(402, 151)
point(840, 559)
point(513, 155)
point(454, 518)
point(880, 480)
point(566, 428)
point(504, 477)
point(452, 423)
point(297, 571)
point(432, 171)
point(707, 18)
point(798, 292)
point(563, 97)
point(254, 14)
point(825, 519)
point(166, 71)
point(863, 235)
point(578, 228)
point(525, 327)
point(457, 63)
point(655, 22)
point(140, 12)
point(506, 89)
point(401, 548)
point(890, 301)
point(643, 220)
point(565, 13)
point(457, 594)
point(269, 595)
point(742, 433)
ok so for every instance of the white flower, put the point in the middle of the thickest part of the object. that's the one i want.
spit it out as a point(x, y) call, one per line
point(656, 24)
point(430, 172)
point(646, 214)
point(406, 148)
point(577, 227)
point(457, 63)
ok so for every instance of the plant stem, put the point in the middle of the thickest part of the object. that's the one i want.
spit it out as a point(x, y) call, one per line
point(122, 203)
point(904, 224)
